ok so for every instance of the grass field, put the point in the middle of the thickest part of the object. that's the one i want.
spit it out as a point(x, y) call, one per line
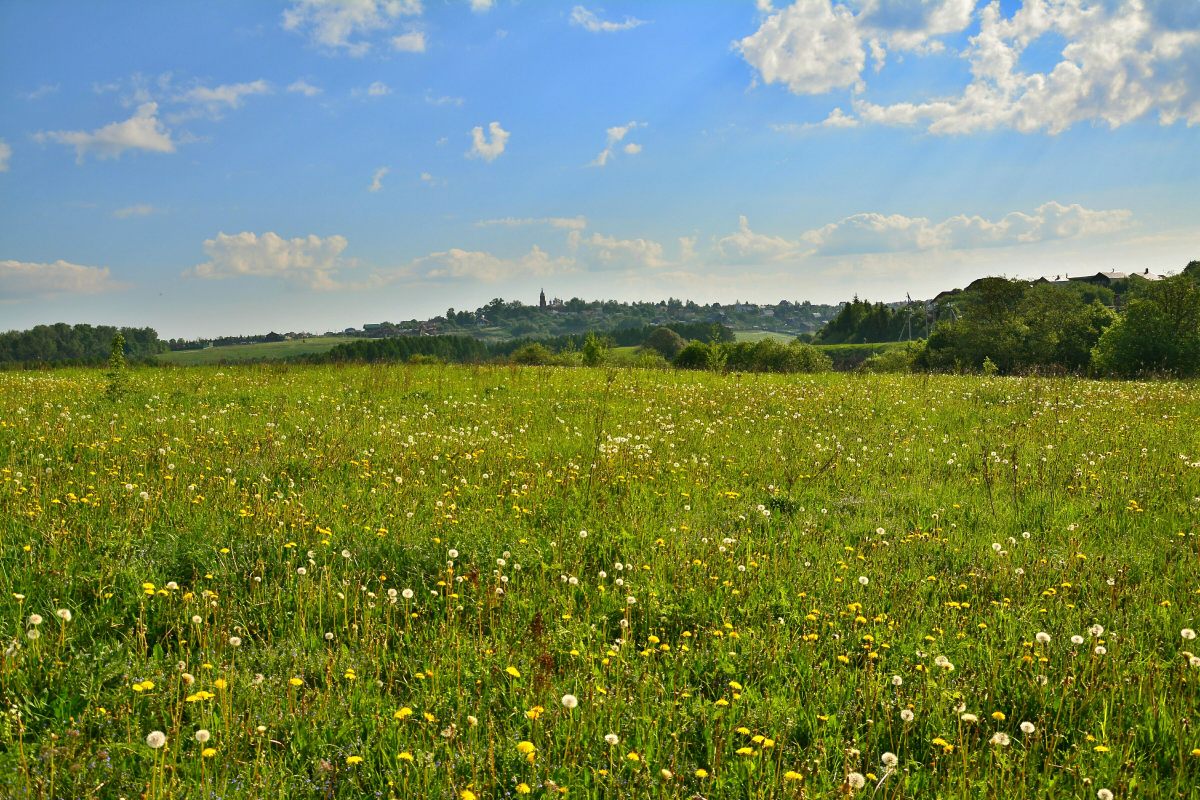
point(758, 336)
point(262, 351)
point(453, 582)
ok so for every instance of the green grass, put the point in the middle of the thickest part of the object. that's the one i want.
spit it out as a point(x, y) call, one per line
point(758, 336)
point(262, 351)
point(762, 555)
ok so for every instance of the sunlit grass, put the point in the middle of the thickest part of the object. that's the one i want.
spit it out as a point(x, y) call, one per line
point(491, 582)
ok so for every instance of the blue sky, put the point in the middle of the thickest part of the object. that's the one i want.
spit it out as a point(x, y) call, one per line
point(227, 167)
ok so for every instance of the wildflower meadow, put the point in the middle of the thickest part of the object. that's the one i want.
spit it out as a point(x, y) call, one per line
point(490, 582)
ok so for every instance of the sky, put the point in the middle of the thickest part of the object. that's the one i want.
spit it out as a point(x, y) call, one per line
point(228, 167)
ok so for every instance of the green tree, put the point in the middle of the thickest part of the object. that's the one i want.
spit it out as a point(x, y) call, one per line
point(1159, 332)
point(116, 368)
point(666, 342)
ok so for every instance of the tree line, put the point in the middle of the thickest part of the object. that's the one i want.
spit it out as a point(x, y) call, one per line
point(61, 344)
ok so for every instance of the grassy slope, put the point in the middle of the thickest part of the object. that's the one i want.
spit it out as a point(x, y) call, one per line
point(757, 336)
point(263, 351)
point(743, 511)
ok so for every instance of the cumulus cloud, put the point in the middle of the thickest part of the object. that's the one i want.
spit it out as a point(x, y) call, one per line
point(377, 179)
point(310, 260)
point(481, 147)
point(142, 131)
point(615, 135)
point(610, 251)
point(749, 245)
point(879, 233)
point(410, 42)
point(218, 98)
point(5, 155)
point(577, 223)
point(341, 25)
point(488, 268)
point(139, 210)
point(21, 280)
point(811, 46)
point(304, 87)
point(1120, 63)
point(480, 6)
point(378, 89)
point(589, 21)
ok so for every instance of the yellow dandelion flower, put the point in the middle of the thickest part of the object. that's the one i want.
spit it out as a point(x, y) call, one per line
point(405, 756)
point(525, 748)
point(513, 671)
point(352, 760)
point(701, 773)
point(403, 713)
point(208, 752)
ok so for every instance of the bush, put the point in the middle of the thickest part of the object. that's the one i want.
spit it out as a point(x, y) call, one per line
point(532, 355)
point(665, 342)
point(897, 359)
point(1159, 332)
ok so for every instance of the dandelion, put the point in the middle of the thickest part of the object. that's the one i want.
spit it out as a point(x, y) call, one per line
point(208, 752)
point(1000, 739)
point(525, 748)
point(202, 736)
point(301, 571)
point(1028, 728)
point(907, 715)
point(34, 634)
point(701, 773)
point(969, 718)
point(570, 701)
point(856, 780)
point(1104, 794)
point(612, 739)
point(792, 775)
point(863, 580)
point(666, 774)
point(889, 760)
point(633, 756)
point(1100, 650)
point(1096, 631)
point(236, 641)
point(1076, 639)
point(156, 739)
point(407, 594)
point(897, 680)
point(1043, 637)
point(1186, 633)
point(196, 619)
point(452, 553)
point(352, 760)
point(513, 671)
point(64, 614)
point(36, 619)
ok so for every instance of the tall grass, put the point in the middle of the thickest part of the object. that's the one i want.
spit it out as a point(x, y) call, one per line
point(382, 581)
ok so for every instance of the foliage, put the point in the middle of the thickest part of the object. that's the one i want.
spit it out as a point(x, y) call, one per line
point(1019, 327)
point(1159, 331)
point(63, 344)
point(381, 581)
point(117, 376)
point(666, 342)
point(532, 355)
point(860, 321)
point(895, 359)
point(764, 355)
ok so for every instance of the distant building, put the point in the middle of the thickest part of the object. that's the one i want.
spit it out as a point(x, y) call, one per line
point(542, 299)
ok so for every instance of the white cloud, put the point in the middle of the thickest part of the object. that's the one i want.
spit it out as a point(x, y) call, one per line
point(486, 267)
point(480, 6)
point(1120, 63)
point(23, 279)
point(488, 150)
point(310, 261)
point(138, 210)
point(748, 245)
point(5, 155)
point(589, 21)
point(337, 25)
point(811, 46)
point(411, 42)
point(42, 91)
point(877, 233)
point(142, 131)
point(214, 100)
point(577, 223)
point(429, 179)
point(612, 252)
point(378, 89)
point(305, 88)
point(443, 100)
point(377, 179)
point(615, 135)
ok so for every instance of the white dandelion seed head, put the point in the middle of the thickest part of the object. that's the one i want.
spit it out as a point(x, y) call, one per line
point(156, 739)
point(203, 735)
point(897, 680)
point(855, 780)
point(1028, 728)
point(907, 715)
point(1188, 633)
point(612, 739)
point(64, 614)
point(1076, 639)
point(1000, 739)
point(569, 701)
point(889, 760)
point(407, 594)
point(236, 641)
point(36, 619)
point(1043, 637)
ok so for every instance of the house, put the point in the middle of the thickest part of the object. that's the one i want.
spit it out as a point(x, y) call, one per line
point(1102, 278)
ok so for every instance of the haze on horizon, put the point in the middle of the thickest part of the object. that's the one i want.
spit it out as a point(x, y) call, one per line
point(229, 167)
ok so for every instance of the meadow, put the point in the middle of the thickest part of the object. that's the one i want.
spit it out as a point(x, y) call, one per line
point(281, 581)
point(259, 351)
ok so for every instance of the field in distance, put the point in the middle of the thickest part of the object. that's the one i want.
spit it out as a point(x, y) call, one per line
point(491, 582)
point(259, 351)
